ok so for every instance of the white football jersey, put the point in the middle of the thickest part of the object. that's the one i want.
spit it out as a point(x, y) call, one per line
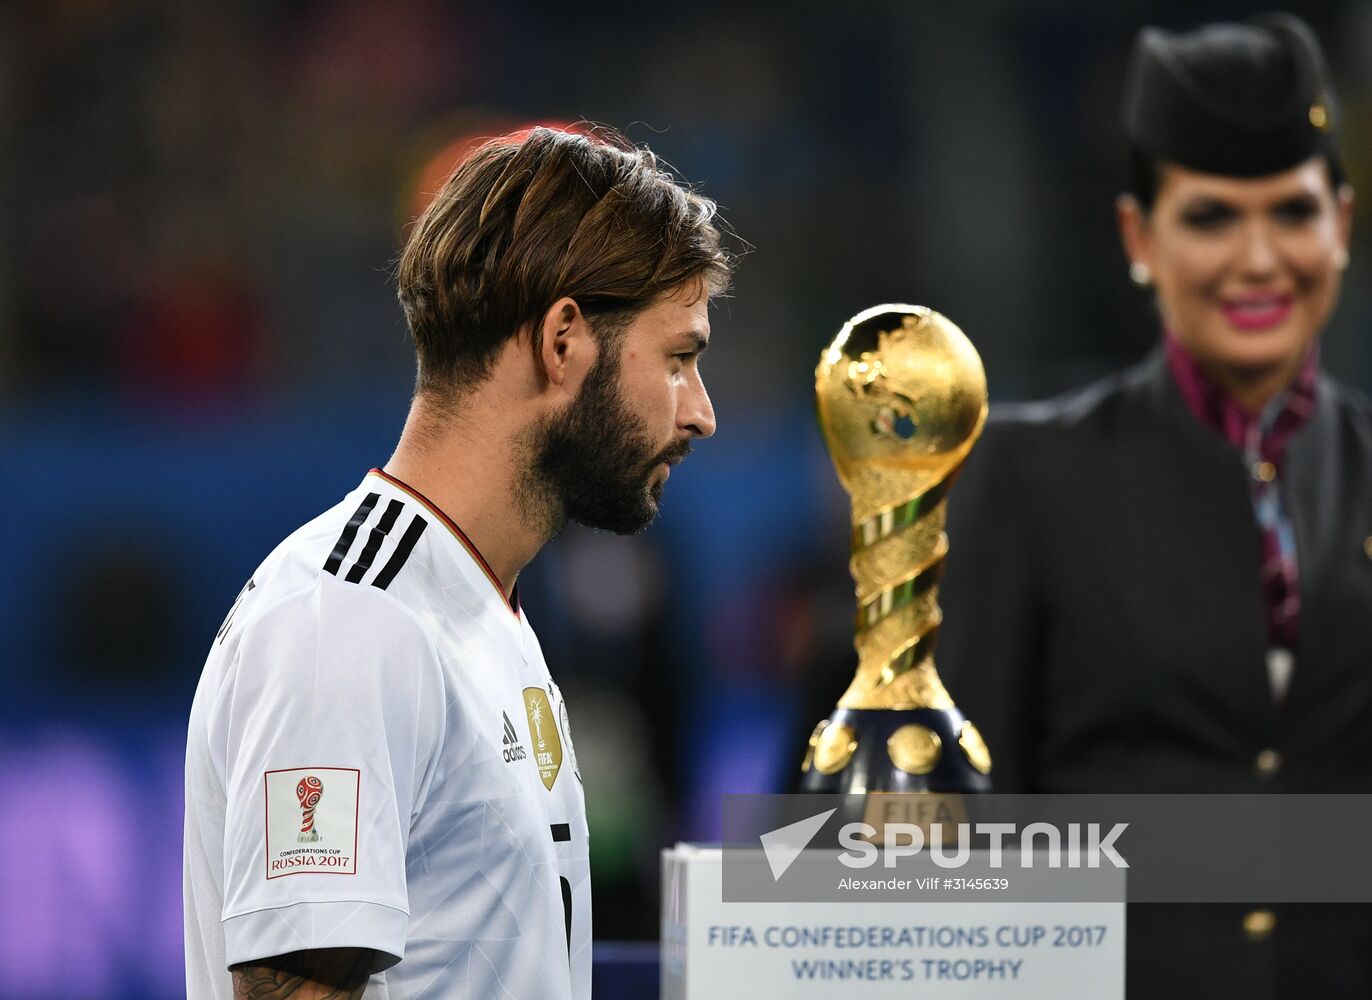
point(377, 758)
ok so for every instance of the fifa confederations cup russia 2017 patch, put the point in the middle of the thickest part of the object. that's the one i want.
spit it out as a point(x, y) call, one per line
point(311, 821)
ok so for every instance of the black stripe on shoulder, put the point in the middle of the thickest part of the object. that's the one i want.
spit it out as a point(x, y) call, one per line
point(378, 535)
point(345, 540)
point(401, 553)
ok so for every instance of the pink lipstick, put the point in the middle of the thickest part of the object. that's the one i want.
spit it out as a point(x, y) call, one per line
point(1257, 312)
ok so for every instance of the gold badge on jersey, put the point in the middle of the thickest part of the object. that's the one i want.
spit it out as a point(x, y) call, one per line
point(543, 727)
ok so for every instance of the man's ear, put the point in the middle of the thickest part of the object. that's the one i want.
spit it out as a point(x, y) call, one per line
point(564, 347)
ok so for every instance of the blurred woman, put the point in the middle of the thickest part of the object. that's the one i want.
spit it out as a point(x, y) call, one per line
point(1163, 582)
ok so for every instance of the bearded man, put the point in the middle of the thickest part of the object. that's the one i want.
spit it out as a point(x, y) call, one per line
point(381, 792)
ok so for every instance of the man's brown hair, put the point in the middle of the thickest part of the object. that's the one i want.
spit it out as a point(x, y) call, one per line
point(529, 218)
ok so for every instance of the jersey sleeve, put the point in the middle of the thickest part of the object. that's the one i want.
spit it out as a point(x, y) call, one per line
point(331, 723)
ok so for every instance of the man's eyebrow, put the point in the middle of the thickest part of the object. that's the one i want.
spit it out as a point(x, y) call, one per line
point(701, 340)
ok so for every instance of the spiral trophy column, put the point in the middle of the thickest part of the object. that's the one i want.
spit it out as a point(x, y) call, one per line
point(902, 398)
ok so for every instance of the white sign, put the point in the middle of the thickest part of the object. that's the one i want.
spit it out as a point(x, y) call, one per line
point(858, 948)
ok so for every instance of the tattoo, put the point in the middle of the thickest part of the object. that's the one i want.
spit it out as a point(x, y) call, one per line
point(321, 974)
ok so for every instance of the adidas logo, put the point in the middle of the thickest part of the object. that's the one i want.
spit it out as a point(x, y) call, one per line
point(514, 750)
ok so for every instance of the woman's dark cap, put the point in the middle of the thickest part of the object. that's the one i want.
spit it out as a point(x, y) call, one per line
point(1244, 99)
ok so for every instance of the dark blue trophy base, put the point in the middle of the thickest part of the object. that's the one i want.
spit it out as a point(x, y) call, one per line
point(871, 768)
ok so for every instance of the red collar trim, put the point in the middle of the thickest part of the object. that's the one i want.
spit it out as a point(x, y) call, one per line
point(458, 533)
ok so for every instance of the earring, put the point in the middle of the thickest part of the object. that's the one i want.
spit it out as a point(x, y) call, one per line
point(1140, 274)
point(1341, 258)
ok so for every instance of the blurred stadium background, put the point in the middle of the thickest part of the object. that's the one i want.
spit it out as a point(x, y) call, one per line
point(200, 349)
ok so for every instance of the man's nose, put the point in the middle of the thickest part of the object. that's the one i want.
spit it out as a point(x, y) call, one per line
point(697, 412)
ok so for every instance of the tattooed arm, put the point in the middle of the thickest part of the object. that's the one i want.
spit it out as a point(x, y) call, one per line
point(322, 974)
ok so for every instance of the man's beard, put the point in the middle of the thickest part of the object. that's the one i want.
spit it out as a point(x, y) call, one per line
point(594, 461)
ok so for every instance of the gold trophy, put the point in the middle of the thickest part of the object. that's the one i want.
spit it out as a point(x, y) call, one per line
point(902, 398)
